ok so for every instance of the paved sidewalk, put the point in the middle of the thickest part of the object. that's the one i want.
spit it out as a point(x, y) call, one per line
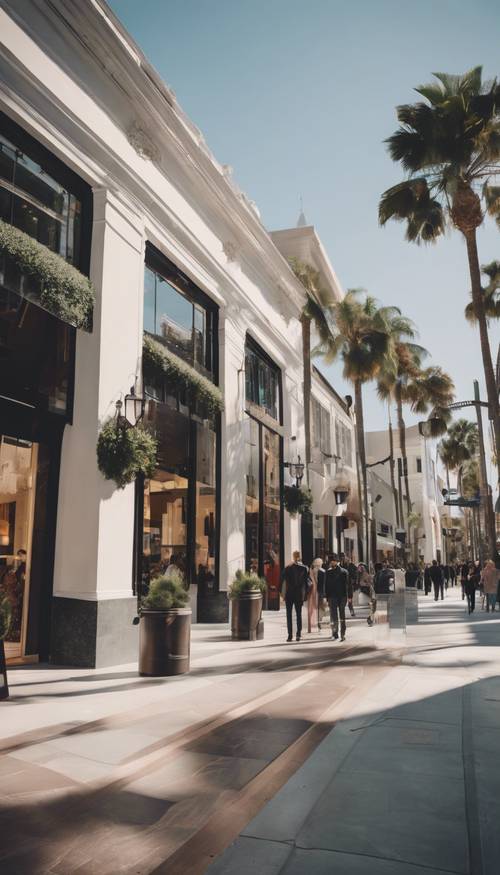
point(409, 783)
point(106, 772)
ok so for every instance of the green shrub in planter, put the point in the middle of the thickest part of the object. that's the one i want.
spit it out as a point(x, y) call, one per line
point(166, 593)
point(65, 292)
point(297, 499)
point(124, 452)
point(245, 581)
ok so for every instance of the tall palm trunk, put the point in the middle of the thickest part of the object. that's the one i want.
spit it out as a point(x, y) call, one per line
point(360, 430)
point(391, 465)
point(306, 356)
point(489, 373)
point(402, 445)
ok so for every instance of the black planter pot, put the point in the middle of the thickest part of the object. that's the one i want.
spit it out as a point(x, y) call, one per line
point(246, 623)
point(164, 642)
point(4, 687)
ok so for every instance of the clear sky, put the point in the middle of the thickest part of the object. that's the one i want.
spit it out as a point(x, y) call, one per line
point(298, 97)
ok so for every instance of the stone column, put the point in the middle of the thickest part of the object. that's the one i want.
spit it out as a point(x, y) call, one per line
point(94, 605)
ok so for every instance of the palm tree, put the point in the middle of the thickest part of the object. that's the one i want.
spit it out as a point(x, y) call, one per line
point(458, 452)
point(399, 369)
point(315, 311)
point(361, 339)
point(450, 147)
point(403, 357)
point(490, 293)
point(460, 446)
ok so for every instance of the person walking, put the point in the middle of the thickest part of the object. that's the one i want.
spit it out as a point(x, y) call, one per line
point(295, 581)
point(472, 582)
point(366, 586)
point(453, 573)
point(427, 580)
point(489, 579)
point(436, 573)
point(464, 573)
point(352, 574)
point(336, 587)
point(315, 571)
point(446, 575)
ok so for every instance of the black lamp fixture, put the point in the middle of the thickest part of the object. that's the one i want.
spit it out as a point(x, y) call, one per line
point(341, 494)
point(133, 407)
point(296, 470)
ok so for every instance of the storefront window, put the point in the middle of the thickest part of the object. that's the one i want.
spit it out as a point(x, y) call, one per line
point(44, 199)
point(178, 313)
point(262, 382)
point(252, 501)
point(272, 515)
point(181, 501)
point(18, 464)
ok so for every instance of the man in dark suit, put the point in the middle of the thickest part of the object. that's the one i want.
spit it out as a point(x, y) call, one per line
point(336, 586)
point(295, 584)
point(437, 578)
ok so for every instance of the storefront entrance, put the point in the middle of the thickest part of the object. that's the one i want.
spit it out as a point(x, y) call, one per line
point(18, 467)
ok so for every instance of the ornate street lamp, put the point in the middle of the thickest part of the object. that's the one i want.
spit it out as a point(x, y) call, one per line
point(133, 407)
point(296, 470)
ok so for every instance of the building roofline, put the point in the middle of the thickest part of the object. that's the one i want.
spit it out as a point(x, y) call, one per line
point(330, 388)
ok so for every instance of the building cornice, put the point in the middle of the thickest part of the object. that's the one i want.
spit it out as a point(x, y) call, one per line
point(157, 128)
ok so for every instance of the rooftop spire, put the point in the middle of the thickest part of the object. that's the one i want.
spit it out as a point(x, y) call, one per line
point(301, 221)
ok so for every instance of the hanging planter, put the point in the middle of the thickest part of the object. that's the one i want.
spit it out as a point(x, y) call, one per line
point(161, 364)
point(64, 291)
point(124, 452)
point(297, 499)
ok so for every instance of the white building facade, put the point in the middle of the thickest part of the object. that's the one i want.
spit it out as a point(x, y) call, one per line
point(100, 165)
point(423, 484)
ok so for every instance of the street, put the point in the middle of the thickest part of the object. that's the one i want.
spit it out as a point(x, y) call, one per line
point(370, 756)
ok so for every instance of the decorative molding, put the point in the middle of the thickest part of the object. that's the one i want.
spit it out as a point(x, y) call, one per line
point(141, 141)
point(230, 250)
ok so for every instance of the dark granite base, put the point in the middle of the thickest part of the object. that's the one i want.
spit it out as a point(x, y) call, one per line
point(94, 634)
point(213, 608)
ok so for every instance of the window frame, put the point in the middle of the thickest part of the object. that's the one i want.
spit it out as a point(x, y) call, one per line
point(257, 350)
point(158, 263)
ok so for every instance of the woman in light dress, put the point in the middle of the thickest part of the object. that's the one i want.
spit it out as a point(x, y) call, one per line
point(314, 591)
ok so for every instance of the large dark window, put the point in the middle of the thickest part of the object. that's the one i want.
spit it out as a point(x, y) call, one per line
point(262, 381)
point(41, 197)
point(178, 313)
point(263, 454)
point(180, 503)
point(343, 438)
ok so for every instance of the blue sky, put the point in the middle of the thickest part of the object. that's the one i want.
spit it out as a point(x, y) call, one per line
point(298, 97)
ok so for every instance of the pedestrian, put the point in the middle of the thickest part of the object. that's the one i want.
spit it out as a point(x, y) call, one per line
point(336, 586)
point(384, 578)
point(315, 571)
point(464, 573)
point(295, 578)
point(446, 575)
point(366, 586)
point(453, 573)
point(437, 580)
point(352, 573)
point(490, 577)
point(471, 584)
point(427, 580)
point(411, 575)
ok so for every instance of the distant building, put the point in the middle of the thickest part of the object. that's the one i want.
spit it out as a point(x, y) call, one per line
point(425, 497)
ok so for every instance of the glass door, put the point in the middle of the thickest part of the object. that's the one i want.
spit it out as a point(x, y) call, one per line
point(18, 465)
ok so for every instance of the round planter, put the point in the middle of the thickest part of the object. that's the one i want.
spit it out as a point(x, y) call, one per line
point(246, 624)
point(164, 642)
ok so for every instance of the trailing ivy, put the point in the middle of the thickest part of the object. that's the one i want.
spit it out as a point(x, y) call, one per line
point(297, 499)
point(160, 363)
point(65, 292)
point(124, 452)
